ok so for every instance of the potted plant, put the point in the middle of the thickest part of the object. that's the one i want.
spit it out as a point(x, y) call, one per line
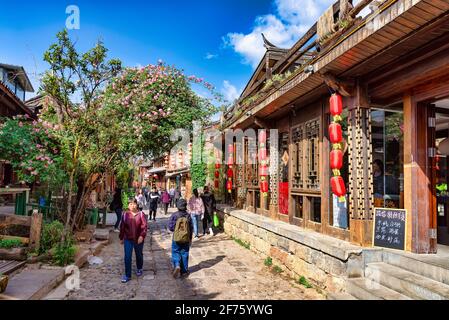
point(3, 282)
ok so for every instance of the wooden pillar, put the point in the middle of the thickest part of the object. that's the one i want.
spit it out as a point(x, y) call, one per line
point(35, 230)
point(360, 168)
point(417, 178)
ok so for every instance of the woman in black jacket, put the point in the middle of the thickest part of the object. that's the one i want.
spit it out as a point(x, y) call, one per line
point(209, 210)
point(117, 206)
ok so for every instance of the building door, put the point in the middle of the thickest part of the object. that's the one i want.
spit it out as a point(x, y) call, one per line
point(440, 172)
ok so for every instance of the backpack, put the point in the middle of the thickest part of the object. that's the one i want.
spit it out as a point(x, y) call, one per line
point(182, 231)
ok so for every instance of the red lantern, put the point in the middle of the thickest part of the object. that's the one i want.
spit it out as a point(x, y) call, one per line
point(230, 173)
point(338, 186)
point(217, 184)
point(262, 136)
point(217, 174)
point(263, 171)
point(335, 133)
point(336, 104)
point(262, 154)
point(217, 166)
point(336, 159)
point(264, 186)
point(229, 185)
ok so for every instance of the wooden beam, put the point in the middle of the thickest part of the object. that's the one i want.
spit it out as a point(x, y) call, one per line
point(11, 219)
point(261, 123)
point(344, 87)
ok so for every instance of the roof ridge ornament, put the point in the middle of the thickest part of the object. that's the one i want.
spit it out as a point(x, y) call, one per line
point(268, 44)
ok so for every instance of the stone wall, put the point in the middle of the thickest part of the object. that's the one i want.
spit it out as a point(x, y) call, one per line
point(323, 260)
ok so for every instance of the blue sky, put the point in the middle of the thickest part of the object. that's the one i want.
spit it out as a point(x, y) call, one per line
point(217, 40)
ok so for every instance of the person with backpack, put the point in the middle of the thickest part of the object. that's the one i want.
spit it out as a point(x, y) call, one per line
point(117, 206)
point(209, 210)
point(154, 201)
point(165, 200)
point(181, 225)
point(196, 210)
point(133, 230)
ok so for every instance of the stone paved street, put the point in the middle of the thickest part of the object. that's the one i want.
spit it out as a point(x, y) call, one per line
point(220, 269)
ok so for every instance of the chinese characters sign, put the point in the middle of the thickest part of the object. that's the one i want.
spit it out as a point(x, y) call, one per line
point(389, 228)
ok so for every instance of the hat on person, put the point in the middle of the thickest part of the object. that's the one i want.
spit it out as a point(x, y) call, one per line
point(181, 205)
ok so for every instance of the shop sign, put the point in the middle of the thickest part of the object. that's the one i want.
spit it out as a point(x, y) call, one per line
point(389, 228)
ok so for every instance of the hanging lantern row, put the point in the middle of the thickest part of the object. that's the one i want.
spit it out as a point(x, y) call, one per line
point(217, 176)
point(336, 138)
point(263, 163)
point(230, 173)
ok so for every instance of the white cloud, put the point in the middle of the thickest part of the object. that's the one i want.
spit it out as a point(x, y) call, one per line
point(283, 28)
point(229, 91)
point(210, 56)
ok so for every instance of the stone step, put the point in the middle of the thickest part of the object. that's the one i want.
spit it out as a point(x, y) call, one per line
point(429, 266)
point(366, 289)
point(340, 296)
point(33, 284)
point(405, 282)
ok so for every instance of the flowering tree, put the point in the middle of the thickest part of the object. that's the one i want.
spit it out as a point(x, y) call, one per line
point(120, 114)
point(32, 150)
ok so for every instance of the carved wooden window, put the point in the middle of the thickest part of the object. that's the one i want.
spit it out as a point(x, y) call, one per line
point(251, 164)
point(306, 156)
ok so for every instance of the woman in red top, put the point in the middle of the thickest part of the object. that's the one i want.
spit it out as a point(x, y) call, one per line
point(133, 230)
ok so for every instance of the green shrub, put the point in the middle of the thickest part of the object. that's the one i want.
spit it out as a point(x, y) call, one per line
point(64, 253)
point(277, 269)
point(51, 236)
point(268, 262)
point(242, 243)
point(10, 243)
point(303, 281)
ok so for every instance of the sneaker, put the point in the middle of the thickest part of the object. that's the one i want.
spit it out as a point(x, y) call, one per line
point(185, 275)
point(211, 232)
point(176, 272)
point(116, 230)
point(139, 272)
point(125, 279)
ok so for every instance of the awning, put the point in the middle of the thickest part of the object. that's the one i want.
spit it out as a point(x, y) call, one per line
point(157, 170)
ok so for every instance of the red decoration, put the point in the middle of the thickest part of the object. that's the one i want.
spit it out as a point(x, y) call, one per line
point(336, 159)
point(231, 149)
point(336, 104)
point(263, 171)
point(264, 186)
point(335, 133)
point(229, 185)
point(217, 174)
point(262, 154)
point(338, 186)
point(217, 184)
point(262, 136)
point(230, 173)
point(217, 166)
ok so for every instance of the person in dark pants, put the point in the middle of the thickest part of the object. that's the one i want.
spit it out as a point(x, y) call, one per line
point(180, 251)
point(209, 210)
point(133, 231)
point(165, 201)
point(117, 206)
point(154, 201)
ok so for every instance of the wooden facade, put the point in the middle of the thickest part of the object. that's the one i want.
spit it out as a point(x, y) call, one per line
point(391, 66)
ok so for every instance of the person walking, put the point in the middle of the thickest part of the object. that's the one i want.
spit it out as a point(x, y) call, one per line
point(177, 195)
point(196, 210)
point(141, 200)
point(154, 200)
point(172, 197)
point(165, 201)
point(181, 225)
point(210, 205)
point(133, 231)
point(117, 206)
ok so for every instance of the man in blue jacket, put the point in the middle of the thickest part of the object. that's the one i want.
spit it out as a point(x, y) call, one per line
point(180, 251)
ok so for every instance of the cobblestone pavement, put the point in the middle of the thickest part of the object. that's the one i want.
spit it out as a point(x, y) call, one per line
point(220, 269)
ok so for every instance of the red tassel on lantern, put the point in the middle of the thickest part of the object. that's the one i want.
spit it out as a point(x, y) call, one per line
point(216, 184)
point(229, 185)
point(335, 133)
point(338, 186)
point(336, 104)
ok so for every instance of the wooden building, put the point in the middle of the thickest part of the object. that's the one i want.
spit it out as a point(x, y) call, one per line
point(14, 83)
point(390, 61)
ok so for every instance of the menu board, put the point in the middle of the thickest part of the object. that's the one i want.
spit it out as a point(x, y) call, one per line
point(389, 228)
